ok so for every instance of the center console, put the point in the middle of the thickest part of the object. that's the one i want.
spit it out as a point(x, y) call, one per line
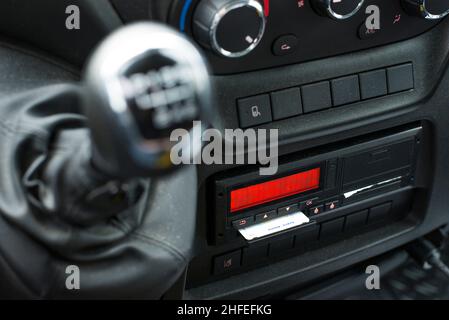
point(317, 198)
point(354, 88)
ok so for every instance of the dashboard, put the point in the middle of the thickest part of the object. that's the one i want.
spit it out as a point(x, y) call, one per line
point(357, 90)
point(262, 35)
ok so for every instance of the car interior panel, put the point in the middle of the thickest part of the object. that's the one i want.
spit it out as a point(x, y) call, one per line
point(314, 140)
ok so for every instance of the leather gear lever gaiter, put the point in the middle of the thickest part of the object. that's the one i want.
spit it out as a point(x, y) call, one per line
point(129, 237)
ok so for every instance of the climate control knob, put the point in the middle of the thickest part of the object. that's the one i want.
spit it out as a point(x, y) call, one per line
point(338, 9)
point(231, 28)
point(428, 9)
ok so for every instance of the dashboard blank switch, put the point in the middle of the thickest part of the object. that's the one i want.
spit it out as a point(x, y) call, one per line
point(316, 97)
point(286, 103)
point(285, 45)
point(332, 228)
point(345, 90)
point(356, 220)
point(279, 246)
point(306, 234)
point(255, 254)
point(373, 84)
point(379, 212)
point(400, 78)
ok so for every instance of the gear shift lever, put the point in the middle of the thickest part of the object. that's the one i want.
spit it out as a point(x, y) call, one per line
point(143, 82)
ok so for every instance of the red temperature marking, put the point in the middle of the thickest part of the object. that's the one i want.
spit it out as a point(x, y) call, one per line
point(266, 4)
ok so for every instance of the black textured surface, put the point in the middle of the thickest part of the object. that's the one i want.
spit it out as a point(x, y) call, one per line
point(22, 69)
point(43, 24)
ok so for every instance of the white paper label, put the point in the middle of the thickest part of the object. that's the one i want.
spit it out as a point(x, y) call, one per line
point(274, 226)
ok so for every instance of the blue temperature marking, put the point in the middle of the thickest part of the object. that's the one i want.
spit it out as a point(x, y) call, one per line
point(185, 10)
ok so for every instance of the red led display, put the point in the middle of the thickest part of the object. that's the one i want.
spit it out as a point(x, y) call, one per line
point(275, 189)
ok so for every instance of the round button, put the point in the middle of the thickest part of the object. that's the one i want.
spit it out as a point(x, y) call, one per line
point(285, 45)
point(365, 33)
point(338, 9)
point(428, 9)
point(231, 28)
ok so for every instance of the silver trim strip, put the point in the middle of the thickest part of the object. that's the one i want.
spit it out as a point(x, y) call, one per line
point(379, 184)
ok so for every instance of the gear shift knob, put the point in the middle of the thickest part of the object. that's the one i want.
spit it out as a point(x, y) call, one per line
point(143, 82)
